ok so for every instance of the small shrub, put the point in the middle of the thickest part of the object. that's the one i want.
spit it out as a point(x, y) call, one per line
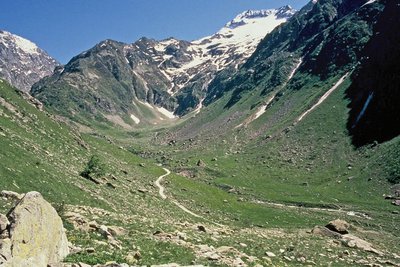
point(95, 168)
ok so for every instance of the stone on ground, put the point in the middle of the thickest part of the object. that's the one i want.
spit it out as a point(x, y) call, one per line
point(339, 226)
point(35, 236)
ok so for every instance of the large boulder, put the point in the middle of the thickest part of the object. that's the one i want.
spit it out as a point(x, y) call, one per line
point(34, 236)
point(339, 226)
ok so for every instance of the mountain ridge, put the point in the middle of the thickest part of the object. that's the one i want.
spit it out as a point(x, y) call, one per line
point(171, 74)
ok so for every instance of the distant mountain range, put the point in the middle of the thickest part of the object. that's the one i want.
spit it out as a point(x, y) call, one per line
point(120, 81)
point(22, 63)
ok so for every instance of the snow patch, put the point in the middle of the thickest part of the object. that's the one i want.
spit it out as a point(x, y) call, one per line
point(199, 107)
point(295, 69)
point(362, 112)
point(260, 111)
point(26, 45)
point(369, 2)
point(135, 119)
point(145, 103)
point(238, 37)
point(22, 43)
point(166, 112)
point(322, 99)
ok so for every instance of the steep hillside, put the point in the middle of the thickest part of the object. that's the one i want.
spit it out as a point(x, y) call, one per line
point(375, 91)
point(22, 63)
point(116, 82)
point(41, 153)
point(324, 40)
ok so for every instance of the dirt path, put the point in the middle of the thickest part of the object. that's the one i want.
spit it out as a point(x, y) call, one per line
point(161, 190)
point(160, 187)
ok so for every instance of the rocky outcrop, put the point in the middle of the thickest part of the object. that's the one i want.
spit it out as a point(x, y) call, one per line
point(32, 234)
point(375, 91)
point(10, 195)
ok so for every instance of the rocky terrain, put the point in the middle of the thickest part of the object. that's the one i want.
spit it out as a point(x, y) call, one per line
point(22, 63)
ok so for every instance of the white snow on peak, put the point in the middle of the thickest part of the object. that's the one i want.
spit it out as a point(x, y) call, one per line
point(231, 45)
point(247, 32)
point(244, 17)
point(22, 43)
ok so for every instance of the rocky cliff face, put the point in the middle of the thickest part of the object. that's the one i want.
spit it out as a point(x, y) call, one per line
point(22, 63)
point(122, 80)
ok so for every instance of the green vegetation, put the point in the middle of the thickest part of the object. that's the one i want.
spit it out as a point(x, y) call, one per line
point(95, 168)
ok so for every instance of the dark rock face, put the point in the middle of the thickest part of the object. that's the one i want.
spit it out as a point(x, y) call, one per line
point(22, 63)
point(375, 91)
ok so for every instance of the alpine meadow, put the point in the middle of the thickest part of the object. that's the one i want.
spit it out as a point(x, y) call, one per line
point(274, 141)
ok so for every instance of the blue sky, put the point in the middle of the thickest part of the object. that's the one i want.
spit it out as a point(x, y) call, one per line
point(65, 28)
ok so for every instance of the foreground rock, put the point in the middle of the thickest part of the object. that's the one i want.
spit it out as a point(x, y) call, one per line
point(34, 234)
point(339, 229)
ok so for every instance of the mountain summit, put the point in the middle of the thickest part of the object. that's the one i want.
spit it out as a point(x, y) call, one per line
point(22, 63)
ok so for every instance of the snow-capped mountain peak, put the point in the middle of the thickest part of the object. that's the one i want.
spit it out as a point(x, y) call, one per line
point(22, 63)
point(21, 43)
point(230, 46)
point(249, 15)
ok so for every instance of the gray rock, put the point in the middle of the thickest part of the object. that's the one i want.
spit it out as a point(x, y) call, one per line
point(396, 202)
point(4, 223)
point(356, 242)
point(201, 228)
point(201, 163)
point(339, 226)
point(323, 231)
point(37, 237)
point(270, 254)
